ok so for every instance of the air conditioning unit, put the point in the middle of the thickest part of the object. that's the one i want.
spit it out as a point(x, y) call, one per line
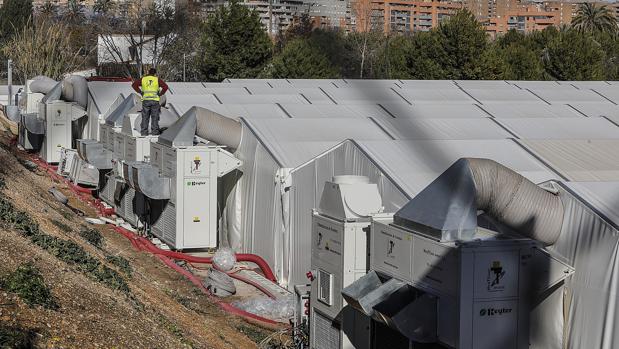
point(465, 294)
point(67, 157)
point(340, 231)
point(31, 131)
point(181, 183)
point(83, 173)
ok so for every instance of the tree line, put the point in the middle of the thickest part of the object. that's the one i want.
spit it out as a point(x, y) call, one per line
point(232, 43)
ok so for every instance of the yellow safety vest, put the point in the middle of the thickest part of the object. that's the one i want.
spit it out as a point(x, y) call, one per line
point(150, 88)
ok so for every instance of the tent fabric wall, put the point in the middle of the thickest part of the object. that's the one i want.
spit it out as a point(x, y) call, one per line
point(305, 191)
point(268, 210)
point(591, 245)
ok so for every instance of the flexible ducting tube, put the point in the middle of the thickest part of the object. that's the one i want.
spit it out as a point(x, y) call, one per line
point(74, 88)
point(206, 124)
point(42, 84)
point(217, 128)
point(449, 205)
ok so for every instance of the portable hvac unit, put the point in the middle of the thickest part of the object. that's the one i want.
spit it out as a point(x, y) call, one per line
point(32, 102)
point(301, 310)
point(182, 185)
point(31, 131)
point(67, 157)
point(340, 230)
point(106, 192)
point(473, 294)
point(83, 173)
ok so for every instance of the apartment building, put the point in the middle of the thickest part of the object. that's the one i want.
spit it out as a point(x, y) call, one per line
point(525, 19)
point(497, 16)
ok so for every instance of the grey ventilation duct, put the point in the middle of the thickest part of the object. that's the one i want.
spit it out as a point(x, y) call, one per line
point(205, 124)
point(73, 88)
point(447, 208)
point(42, 84)
point(167, 117)
point(129, 105)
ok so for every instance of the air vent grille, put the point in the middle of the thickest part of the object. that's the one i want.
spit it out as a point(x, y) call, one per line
point(325, 287)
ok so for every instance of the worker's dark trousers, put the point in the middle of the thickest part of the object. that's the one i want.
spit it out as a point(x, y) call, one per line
point(150, 112)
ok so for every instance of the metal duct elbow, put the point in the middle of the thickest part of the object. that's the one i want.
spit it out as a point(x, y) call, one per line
point(75, 89)
point(218, 128)
point(448, 206)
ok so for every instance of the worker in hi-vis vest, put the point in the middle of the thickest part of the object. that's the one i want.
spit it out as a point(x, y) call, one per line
point(151, 88)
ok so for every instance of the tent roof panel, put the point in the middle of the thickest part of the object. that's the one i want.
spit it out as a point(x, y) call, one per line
point(250, 111)
point(303, 130)
point(423, 84)
point(434, 111)
point(477, 128)
point(365, 83)
point(314, 82)
point(334, 111)
point(192, 99)
point(567, 95)
point(564, 128)
point(540, 85)
point(530, 110)
point(262, 99)
point(260, 82)
point(312, 94)
point(491, 96)
point(186, 87)
point(363, 95)
point(583, 85)
point(579, 160)
point(415, 164)
point(596, 110)
point(492, 84)
point(610, 92)
point(436, 95)
point(227, 91)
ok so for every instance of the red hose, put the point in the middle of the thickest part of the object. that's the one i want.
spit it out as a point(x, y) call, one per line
point(140, 243)
point(80, 189)
point(241, 257)
point(253, 318)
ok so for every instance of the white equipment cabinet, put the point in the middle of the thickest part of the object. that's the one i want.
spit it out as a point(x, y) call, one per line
point(340, 230)
point(183, 182)
point(59, 116)
point(474, 294)
point(32, 102)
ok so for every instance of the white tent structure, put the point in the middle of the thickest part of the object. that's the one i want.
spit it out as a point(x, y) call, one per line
point(402, 134)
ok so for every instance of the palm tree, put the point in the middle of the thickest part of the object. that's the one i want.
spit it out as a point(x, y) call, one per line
point(594, 18)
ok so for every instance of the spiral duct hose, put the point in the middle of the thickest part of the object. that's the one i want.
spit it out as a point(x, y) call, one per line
point(449, 205)
point(74, 88)
point(217, 128)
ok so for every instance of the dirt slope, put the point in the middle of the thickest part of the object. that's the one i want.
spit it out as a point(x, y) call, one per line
point(161, 309)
